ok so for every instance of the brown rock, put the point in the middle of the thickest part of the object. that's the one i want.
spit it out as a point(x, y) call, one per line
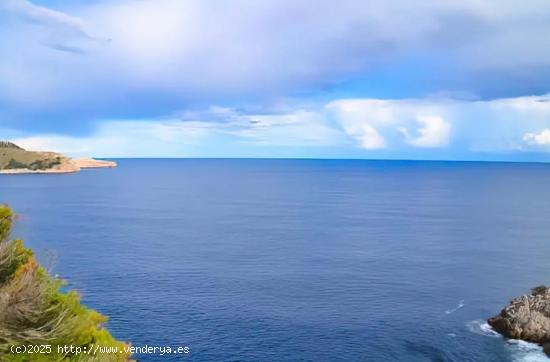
point(526, 318)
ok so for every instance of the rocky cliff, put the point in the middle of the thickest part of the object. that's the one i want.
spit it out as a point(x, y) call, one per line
point(526, 318)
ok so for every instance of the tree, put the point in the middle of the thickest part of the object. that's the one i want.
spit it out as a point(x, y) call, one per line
point(34, 312)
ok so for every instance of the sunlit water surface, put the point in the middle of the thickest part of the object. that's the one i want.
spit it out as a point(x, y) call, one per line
point(278, 260)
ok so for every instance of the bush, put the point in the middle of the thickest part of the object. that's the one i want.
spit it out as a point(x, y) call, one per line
point(41, 164)
point(14, 164)
point(44, 164)
point(33, 310)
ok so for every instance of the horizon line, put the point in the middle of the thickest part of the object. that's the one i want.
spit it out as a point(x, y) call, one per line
point(319, 159)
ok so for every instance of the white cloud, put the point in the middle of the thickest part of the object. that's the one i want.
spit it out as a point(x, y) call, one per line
point(360, 127)
point(367, 119)
point(541, 138)
point(40, 25)
point(360, 117)
point(195, 135)
point(468, 126)
point(298, 128)
point(435, 132)
point(366, 134)
point(125, 139)
point(43, 15)
point(183, 51)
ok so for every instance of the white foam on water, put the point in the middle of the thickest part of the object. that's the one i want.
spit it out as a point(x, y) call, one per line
point(526, 352)
point(481, 327)
point(520, 351)
point(460, 305)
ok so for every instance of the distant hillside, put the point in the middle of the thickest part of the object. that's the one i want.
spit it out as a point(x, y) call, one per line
point(6, 144)
point(13, 157)
point(16, 160)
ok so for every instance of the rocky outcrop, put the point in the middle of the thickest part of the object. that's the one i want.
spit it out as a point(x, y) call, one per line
point(526, 318)
point(93, 163)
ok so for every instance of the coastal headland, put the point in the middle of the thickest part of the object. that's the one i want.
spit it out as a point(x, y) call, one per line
point(526, 318)
point(16, 160)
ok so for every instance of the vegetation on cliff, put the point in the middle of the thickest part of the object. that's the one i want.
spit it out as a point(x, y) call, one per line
point(16, 160)
point(7, 144)
point(14, 157)
point(34, 312)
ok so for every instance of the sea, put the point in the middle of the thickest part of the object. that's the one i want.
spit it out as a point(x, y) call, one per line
point(296, 260)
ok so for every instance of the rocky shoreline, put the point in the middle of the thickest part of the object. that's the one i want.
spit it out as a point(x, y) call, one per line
point(93, 163)
point(526, 318)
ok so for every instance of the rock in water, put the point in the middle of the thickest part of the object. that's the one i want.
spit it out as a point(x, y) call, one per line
point(526, 318)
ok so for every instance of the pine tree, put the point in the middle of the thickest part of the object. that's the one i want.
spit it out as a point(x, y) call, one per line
point(34, 312)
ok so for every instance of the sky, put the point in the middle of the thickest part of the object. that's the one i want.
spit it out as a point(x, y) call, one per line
point(378, 79)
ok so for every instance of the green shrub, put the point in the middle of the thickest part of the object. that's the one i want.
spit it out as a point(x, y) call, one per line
point(44, 164)
point(14, 164)
point(33, 310)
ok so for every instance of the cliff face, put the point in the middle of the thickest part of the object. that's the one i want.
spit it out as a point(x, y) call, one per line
point(14, 160)
point(526, 318)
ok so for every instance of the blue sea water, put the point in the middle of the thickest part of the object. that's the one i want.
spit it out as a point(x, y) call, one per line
point(297, 260)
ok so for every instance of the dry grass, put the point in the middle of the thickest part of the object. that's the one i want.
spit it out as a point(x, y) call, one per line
point(20, 156)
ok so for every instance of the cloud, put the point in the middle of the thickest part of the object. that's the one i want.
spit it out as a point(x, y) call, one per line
point(44, 16)
point(371, 121)
point(234, 134)
point(359, 117)
point(125, 139)
point(299, 128)
point(148, 58)
point(368, 136)
point(53, 29)
point(434, 133)
point(459, 126)
point(505, 129)
point(541, 138)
